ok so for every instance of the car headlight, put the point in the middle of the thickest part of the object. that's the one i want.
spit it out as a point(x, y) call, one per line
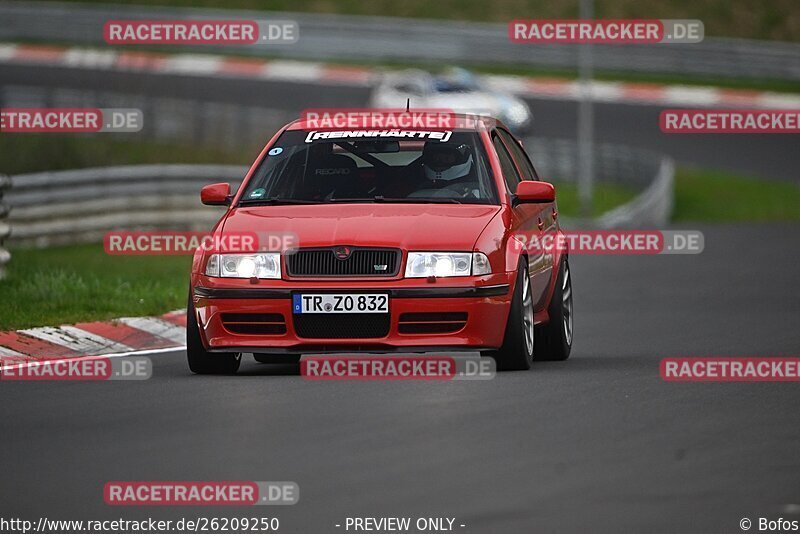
point(265, 265)
point(441, 264)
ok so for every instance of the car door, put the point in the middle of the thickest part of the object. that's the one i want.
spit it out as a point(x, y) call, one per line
point(534, 220)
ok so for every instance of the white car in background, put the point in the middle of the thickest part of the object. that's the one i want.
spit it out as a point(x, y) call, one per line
point(455, 89)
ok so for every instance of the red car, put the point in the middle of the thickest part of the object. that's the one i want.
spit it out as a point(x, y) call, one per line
point(403, 241)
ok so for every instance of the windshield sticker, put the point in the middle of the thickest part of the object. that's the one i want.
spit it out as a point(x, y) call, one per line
point(258, 193)
point(443, 136)
point(275, 151)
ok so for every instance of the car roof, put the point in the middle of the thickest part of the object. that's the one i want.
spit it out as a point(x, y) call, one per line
point(480, 123)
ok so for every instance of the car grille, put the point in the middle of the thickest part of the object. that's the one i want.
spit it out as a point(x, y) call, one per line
point(342, 325)
point(360, 262)
point(254, 323)
point(431, 323)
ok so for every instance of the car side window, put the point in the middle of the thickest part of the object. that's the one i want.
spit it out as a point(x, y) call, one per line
point(522, 159)
point(510, 173)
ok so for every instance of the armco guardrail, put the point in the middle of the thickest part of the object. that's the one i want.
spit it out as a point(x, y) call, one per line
point(82, 205)
point(652, 207)
point(324, 36)
point(222, 125)
point(648, 173)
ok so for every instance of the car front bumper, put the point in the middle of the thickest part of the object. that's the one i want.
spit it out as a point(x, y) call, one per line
point(450, 314)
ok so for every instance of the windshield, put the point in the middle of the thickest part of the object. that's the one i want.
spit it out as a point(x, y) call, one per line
point(373, 166)
point(454, 86)
point(456, 81)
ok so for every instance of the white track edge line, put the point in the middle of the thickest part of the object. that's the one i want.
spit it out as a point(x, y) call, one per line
point(143, 352)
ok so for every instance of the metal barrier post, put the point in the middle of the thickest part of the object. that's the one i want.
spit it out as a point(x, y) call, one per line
point(5, 229)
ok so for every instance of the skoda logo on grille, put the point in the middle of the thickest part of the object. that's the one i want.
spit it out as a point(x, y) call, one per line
point(342, 253)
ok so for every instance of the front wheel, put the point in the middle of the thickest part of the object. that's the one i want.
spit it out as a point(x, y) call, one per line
point(516, 354)
point(201, 361)
point(554, 339)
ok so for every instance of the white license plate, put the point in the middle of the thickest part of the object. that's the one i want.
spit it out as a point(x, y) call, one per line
point(340, 303)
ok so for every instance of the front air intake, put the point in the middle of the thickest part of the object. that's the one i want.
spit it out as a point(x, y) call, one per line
point(343, 261)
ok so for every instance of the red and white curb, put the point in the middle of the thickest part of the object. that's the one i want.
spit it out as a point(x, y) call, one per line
point(645, 93)
point(190, 64)
point(322, 73)
point(127, 336)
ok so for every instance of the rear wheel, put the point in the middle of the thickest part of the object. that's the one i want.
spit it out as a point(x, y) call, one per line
point(201, 361)
point(554, 339)
point(277, 358)
point(516, 354)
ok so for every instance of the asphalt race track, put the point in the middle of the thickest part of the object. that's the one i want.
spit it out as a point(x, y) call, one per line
point(595, 444)
point(766, 156)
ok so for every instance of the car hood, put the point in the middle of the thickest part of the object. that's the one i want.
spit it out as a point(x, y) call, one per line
point(448, 227)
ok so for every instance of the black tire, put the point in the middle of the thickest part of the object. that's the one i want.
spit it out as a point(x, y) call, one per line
point(201, 361)
point(278, 358)
point(516, 354)
point(554, 338)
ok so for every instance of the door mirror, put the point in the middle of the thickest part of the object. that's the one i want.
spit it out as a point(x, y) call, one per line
point(216, 194)
point(536, 192)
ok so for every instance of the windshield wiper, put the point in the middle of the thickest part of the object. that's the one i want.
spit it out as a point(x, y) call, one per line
point(423, 200)
point(409, 200)
point(275, 201)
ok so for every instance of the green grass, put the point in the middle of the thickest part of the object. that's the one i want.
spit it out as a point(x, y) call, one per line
point(21, 153)
point(703, 195)
point(63, 285)
point(754, 19)
point(606, 197)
